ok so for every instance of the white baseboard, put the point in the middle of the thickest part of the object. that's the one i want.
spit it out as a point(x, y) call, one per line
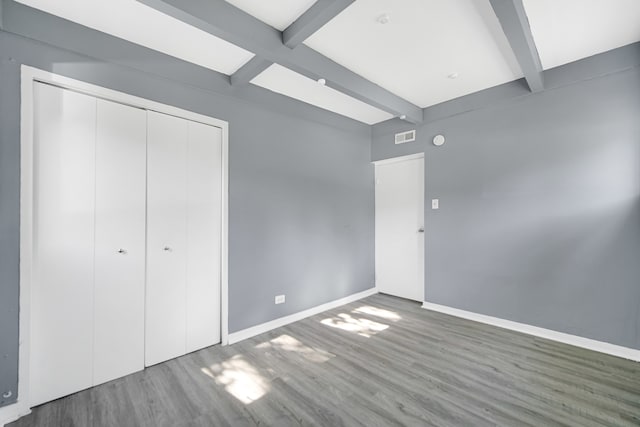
point(273, 324)
point(599, 346)
point(10, 413)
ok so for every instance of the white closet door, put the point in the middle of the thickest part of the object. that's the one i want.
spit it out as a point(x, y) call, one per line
point(62, 291)
point(120, 240)
point(166, 238)
point(204, 198)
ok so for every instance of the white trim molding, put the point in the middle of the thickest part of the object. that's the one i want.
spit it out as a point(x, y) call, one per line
point(244, 334)
point(10, 413)
point(399, 159)
point(29, 75)
point(574, 340)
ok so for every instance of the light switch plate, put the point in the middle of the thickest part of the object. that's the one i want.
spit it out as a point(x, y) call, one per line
point(435, 203)
point(279, 299)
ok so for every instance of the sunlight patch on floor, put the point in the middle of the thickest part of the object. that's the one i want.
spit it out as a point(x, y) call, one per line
point(378, 312)
point(362, 327)
point(239, 379)
point(289, 343)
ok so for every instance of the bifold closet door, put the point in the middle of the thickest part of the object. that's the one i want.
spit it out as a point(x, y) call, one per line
point(121, 134)
point(87, 294)
point(204, 209)
point(166, 238)
point(184, 199)
point(61, 339)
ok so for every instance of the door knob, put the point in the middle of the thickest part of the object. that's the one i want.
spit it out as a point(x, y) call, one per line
point(421, 230)
point(122, 251)
point(166, 249)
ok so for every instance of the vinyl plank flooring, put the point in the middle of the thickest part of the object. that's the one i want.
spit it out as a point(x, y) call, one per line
point(381, 361)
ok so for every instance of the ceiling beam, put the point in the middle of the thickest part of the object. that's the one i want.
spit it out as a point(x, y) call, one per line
point(221, 19)
point(515, 24)
point(308, 23)
point(248, 71)
point(312, 20)
point(55, 44)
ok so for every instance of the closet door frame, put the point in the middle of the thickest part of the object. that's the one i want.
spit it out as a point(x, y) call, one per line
point(29, 77)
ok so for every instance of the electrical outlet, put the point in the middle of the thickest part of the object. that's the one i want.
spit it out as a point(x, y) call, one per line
point(279, 299)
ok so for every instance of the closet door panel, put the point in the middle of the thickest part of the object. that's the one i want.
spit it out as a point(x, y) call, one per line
point(166, 238)
point(204, 203)
point(63, 265)
point(120, 240)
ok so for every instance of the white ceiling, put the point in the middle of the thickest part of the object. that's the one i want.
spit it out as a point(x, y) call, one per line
point(277, 13)
point(286, 82)
point(135, 22)
point(568, 30)
point(424, 42)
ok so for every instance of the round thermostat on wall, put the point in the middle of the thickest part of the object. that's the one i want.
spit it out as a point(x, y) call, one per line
point(438, 140)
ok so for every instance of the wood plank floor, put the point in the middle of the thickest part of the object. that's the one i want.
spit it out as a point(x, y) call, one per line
point(381, 361)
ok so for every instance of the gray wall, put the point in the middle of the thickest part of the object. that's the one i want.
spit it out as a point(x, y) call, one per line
point(300, 191)
point(539, 218)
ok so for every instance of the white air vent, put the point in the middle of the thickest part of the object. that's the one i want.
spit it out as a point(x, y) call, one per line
point(403, 137)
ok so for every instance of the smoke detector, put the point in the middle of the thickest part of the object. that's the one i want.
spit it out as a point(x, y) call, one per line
point(383, 19)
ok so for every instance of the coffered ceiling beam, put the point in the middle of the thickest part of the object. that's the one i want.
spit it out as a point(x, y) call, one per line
point(312, 20)
point(515, 24)
point(248, 71)
point(227, 22)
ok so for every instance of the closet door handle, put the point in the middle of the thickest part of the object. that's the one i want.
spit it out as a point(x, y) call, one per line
point(122, 251)
point(166, 249)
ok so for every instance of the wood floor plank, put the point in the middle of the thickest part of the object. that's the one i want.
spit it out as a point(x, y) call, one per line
point(381, 361)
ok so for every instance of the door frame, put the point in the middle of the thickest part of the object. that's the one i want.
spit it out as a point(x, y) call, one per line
point(399, 159)
point(29, 76)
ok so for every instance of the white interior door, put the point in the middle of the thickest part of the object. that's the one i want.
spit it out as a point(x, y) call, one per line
point(166, 299)
point(400, 228)
point(204, 208)
point(121, 135)
point(61, 339)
